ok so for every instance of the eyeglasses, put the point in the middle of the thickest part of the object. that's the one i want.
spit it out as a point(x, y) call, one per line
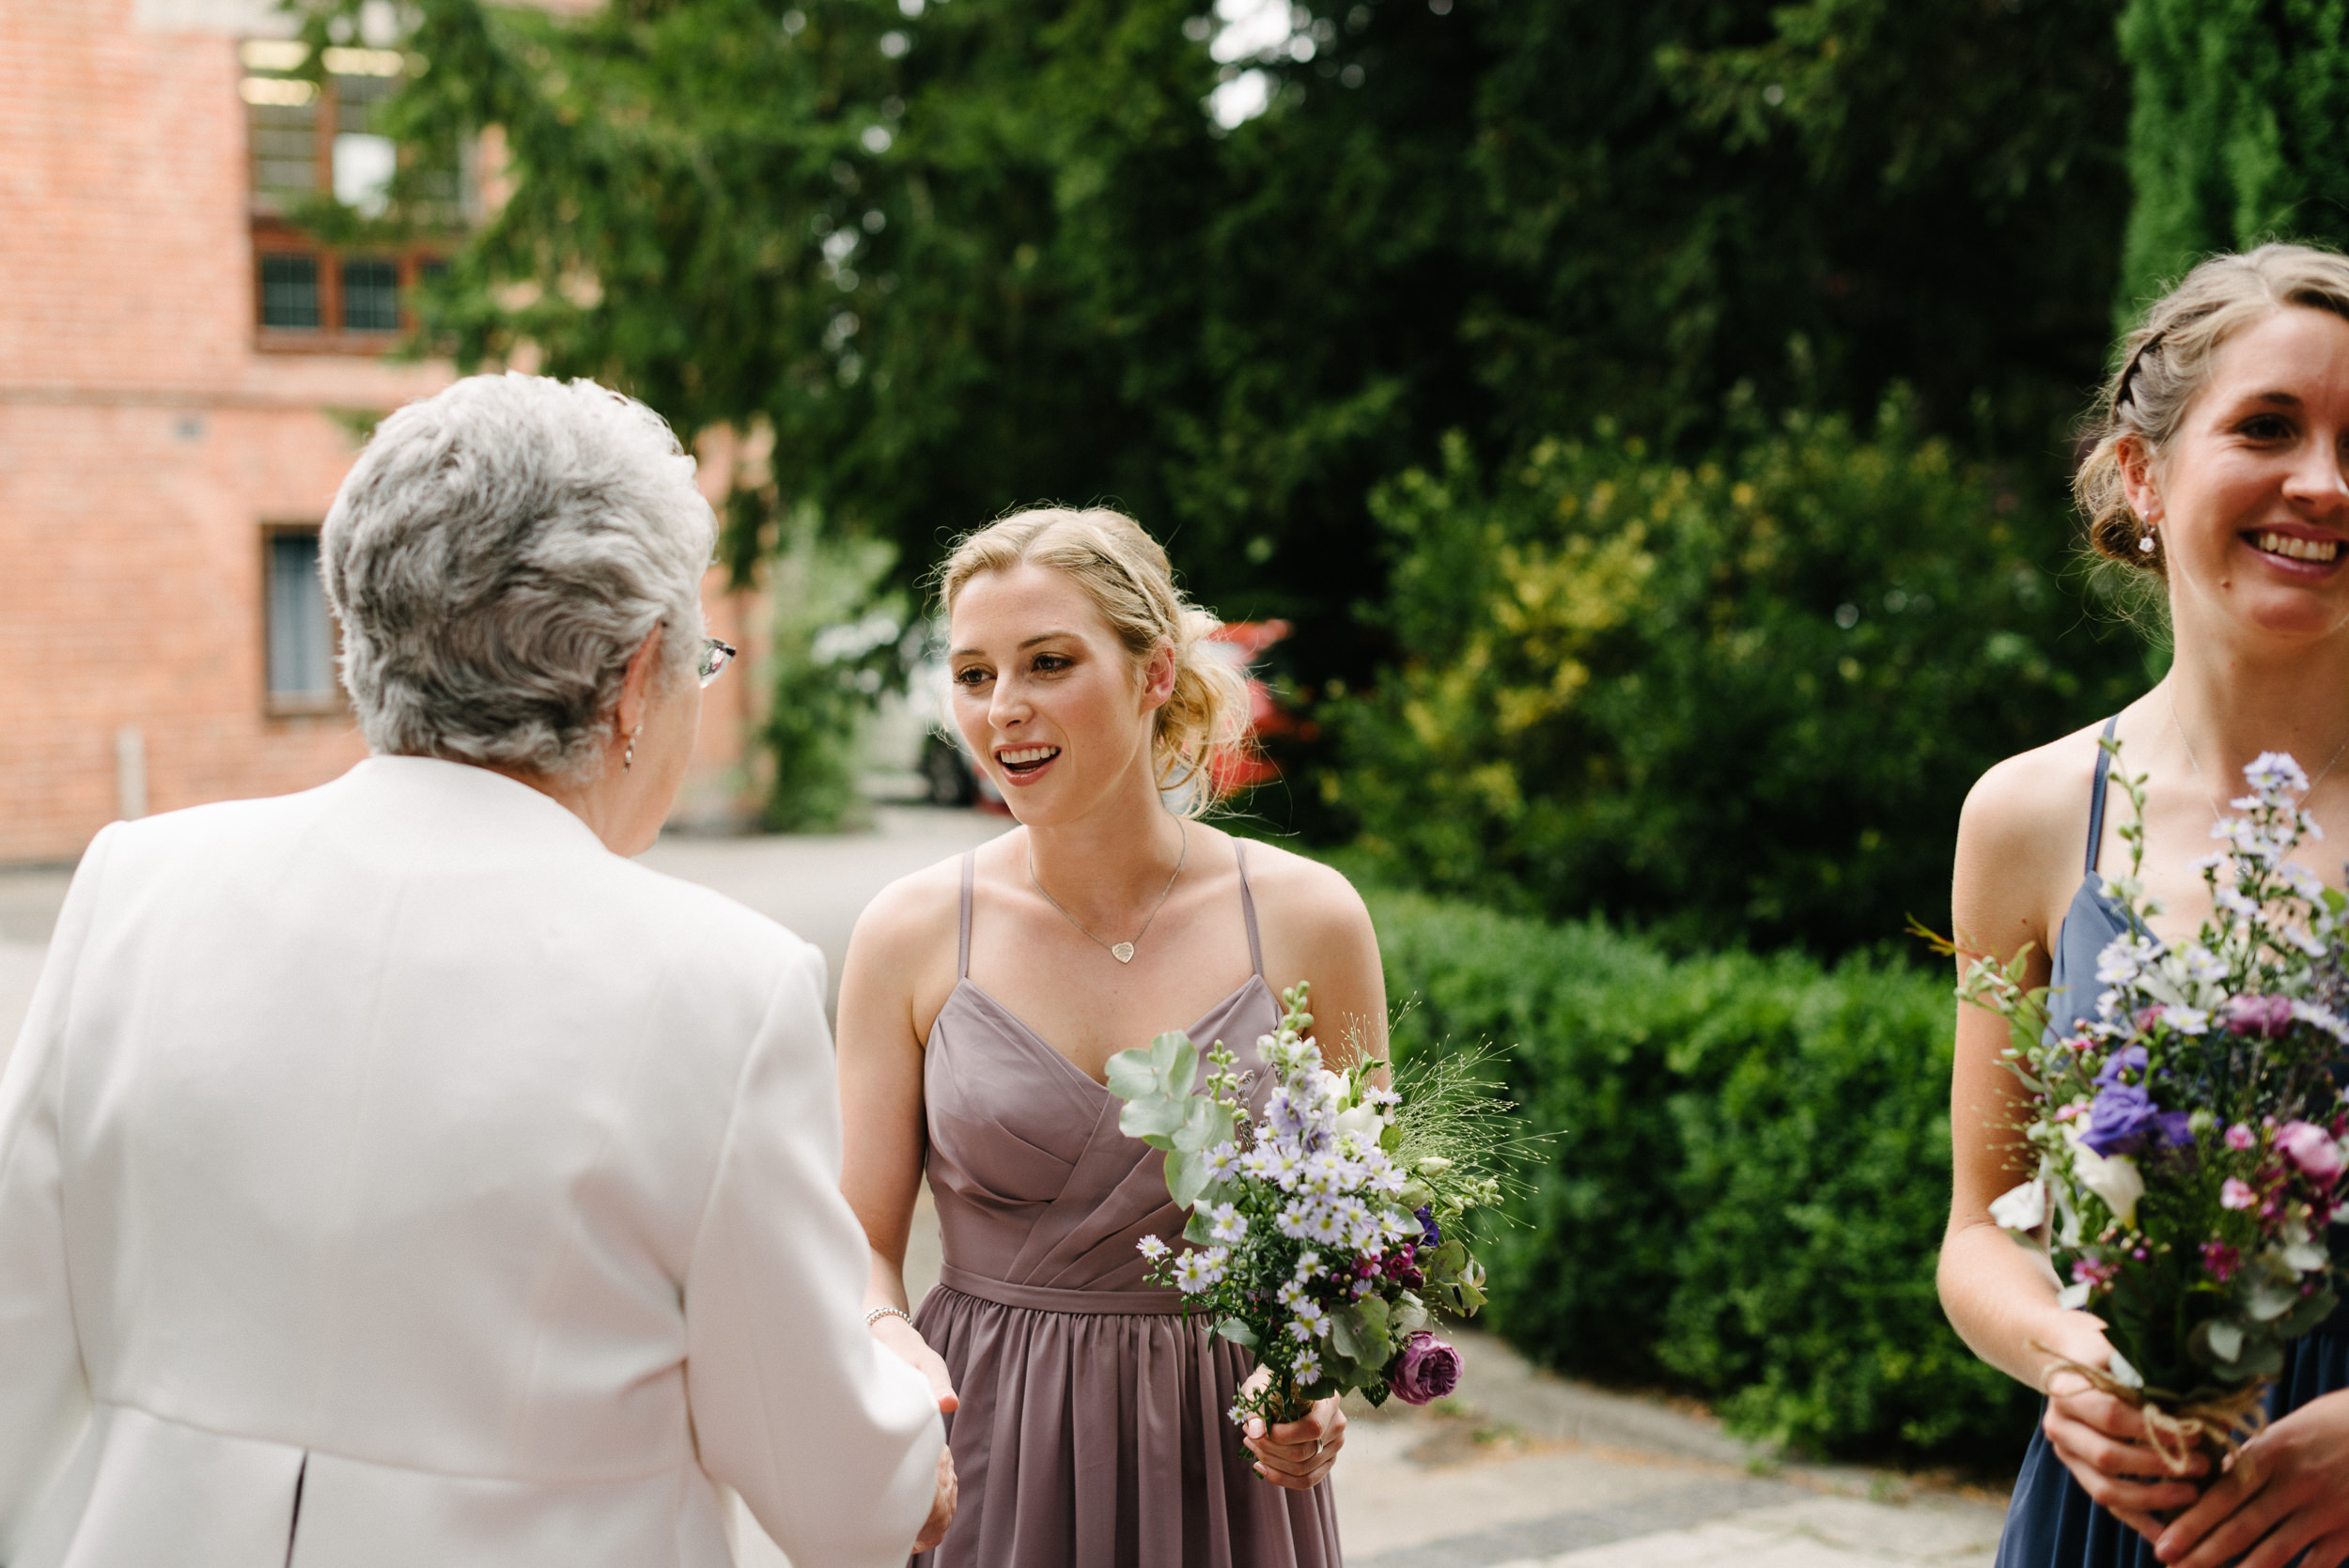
point(716, 656)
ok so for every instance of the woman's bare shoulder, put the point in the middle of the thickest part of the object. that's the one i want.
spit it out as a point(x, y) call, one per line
point(2034, 804)
point(909, 918)
point(2021, 842)
point(1303, 895)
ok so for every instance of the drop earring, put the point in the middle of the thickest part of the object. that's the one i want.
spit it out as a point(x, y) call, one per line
point(2145, 543)
point(627, 758)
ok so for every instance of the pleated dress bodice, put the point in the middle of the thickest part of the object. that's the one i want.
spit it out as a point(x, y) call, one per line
point(1092, 1430)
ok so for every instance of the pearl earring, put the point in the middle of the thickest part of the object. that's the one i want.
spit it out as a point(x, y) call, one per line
point(2145, 545)
point(627, 758)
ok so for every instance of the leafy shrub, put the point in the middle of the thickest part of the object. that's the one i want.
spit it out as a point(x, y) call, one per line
point(836, 631)
point(1748, 1188)
point(1738, 700)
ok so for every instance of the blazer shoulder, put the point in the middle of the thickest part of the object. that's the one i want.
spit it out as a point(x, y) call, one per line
point(703, 929)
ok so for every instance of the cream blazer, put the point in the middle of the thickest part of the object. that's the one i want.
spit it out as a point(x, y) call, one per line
point(393, 1177)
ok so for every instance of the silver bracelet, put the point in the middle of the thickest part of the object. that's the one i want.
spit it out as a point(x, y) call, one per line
point(879, 1313)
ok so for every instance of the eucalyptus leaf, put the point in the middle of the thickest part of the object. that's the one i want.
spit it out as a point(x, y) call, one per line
point(2311, 1311)
point(1186, 1177)
point(1238, 1332)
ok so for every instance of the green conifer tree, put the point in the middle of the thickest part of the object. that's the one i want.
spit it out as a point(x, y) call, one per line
point(2235, 135)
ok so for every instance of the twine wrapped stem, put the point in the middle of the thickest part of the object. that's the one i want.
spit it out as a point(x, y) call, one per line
point(2216, 1424)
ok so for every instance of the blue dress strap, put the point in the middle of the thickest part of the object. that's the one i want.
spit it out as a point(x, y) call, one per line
point(2096, 806)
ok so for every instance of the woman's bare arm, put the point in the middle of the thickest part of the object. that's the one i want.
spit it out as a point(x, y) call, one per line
point(2016, 850)
point(884, 1132)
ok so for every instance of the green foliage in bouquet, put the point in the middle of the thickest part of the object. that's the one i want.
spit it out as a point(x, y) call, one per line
point(1325, 1228)
point(1727, 701)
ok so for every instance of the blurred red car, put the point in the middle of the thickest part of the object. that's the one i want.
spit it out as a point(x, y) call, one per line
point(1240, 645)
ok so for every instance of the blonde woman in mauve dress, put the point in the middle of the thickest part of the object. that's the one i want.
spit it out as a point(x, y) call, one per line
point(979, 1004)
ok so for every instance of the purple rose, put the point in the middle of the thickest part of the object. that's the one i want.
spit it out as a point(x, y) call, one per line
point(1427, 1369)
point(2118, 1119)
point(2259, 1015)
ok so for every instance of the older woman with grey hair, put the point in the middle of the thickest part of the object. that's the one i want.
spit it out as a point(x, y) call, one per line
point(395, 1174)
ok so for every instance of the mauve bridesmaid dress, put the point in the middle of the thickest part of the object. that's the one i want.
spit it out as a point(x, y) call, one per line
point(1092, 1431)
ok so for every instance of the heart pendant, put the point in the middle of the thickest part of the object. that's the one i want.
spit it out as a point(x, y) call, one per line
point(1123, 953)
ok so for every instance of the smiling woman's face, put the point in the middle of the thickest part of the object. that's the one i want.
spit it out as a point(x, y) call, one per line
point(1047, 696)
point(2249, 495)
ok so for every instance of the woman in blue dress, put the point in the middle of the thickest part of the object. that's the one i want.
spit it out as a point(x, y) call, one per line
point(2221, 474)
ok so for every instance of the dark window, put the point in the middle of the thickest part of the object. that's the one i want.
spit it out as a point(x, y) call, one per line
point(301, 636)
point(290, 290)
point(371, 296)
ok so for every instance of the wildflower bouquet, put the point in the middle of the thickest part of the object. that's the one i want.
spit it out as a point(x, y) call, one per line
point(1327, 1231)
point(2189, 1132)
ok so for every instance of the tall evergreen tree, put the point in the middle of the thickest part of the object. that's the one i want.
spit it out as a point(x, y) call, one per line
point(2235, 132)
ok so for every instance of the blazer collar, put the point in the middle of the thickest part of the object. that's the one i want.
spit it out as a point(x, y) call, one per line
point(446, 790)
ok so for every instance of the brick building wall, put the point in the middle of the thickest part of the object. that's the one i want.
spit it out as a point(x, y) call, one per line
point(147, 444)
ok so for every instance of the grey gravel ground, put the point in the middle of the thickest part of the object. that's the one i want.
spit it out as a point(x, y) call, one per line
point(1519, 1469)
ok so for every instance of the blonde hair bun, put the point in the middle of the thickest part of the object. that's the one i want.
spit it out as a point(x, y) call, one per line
point(1125, 572)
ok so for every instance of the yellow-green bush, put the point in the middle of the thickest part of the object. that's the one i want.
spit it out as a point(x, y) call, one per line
point(1736, 701)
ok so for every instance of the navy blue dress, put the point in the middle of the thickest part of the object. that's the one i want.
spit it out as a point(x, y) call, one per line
point(2050, 1523)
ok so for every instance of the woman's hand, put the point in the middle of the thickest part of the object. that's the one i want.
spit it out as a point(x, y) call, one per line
point(2101, 1439)
point(1295, 1454)
point(941, 1503)
point(2287, 1492)
point(907, 1344)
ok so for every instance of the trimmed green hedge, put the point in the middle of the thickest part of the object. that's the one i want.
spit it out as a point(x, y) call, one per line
point(1750, 1183)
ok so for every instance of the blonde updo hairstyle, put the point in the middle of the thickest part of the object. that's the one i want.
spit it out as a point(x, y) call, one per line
point(2167, 363)
point(1124, 571)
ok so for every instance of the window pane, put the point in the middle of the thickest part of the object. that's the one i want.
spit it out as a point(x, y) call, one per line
point(357, 99)
point(370, 296)
point(281, 132)
point(301, 640)
point(290, 290)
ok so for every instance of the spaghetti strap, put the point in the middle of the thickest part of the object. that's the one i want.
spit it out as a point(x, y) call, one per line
point(1248, 908)
point(962, 958)
point(2096, 814)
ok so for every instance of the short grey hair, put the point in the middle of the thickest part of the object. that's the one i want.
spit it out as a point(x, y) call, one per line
point(498, 554)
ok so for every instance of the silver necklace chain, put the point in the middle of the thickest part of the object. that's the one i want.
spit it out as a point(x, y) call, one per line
point(1123, 952)
point(2195, 763)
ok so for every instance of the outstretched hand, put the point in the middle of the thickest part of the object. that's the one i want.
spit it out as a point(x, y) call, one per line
point(904, 1341)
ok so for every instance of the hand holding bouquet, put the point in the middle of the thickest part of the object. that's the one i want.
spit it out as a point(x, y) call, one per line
point(1327, 1231)
point(2188, 1134)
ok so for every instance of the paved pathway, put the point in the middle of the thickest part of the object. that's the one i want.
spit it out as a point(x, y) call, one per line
point(1519, 1470)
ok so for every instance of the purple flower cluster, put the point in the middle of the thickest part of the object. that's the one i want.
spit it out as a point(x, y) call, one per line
point(2123, 1117)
